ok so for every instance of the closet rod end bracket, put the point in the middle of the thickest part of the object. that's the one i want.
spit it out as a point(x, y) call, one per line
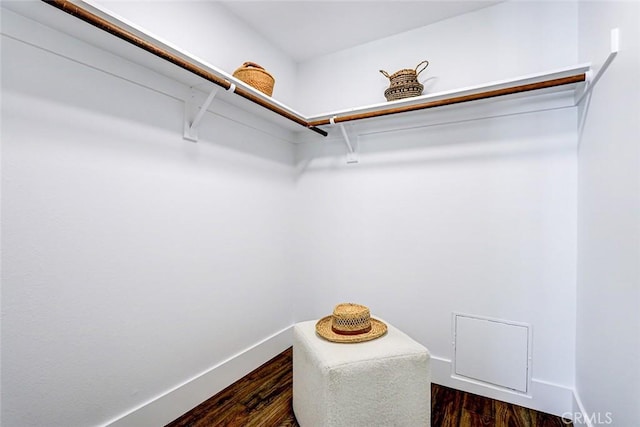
point(592, 79)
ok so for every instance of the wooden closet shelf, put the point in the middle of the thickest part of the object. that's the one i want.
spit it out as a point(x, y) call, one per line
point(165, 54)
point(561, 79)
point(482, 94)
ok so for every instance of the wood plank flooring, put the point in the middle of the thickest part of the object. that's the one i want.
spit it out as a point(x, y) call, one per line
point(454, 408)
point(263, 398)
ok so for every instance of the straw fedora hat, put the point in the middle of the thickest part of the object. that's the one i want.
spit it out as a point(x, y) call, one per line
point(350, 323)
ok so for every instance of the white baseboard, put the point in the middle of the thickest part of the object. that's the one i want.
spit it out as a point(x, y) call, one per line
point(579, 415)
point(544, 396)
point(175, 402)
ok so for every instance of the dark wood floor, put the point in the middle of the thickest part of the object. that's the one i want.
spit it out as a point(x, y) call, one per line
point(263, 398)
point(454, 408)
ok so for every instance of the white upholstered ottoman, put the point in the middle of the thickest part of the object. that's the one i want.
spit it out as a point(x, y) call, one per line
point(383, 382)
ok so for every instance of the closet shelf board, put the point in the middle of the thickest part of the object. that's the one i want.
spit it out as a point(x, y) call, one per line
point(108, 31)
point(141, 39)
point(559, 80)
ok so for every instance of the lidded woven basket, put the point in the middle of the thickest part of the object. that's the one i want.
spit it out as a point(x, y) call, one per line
point(404, 83)
point(255, 76)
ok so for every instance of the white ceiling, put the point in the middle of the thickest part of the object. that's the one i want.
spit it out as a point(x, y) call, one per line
point(307, 28)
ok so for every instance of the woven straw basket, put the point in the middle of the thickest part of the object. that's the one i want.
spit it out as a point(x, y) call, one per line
point(404, 83)
point(255, 76)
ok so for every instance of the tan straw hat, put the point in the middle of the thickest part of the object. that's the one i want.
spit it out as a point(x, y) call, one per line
point(350, 323)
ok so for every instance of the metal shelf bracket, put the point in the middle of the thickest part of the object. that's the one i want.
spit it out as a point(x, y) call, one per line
point(191, 125)
point(352, 155)
point(591, 82)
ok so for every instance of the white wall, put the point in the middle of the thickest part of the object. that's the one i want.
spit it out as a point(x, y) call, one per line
point(213, 34)
point(125, 249)
point(608, 294)
point(475, 217)
point(503, 41)
point(132, 259)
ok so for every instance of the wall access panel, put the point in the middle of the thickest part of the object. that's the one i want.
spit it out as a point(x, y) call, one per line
point(492, 351)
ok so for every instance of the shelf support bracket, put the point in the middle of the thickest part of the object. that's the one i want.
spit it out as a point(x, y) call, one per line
point(615, 47)
point(191, 126)
point(352, 155)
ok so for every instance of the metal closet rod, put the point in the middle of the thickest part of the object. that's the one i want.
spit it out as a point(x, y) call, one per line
point(455, 100)
point(129, 37)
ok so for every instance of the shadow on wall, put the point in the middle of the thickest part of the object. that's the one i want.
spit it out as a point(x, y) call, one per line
point(507, 137)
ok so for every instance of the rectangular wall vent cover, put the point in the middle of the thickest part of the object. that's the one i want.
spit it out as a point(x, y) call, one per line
point(492, 351)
